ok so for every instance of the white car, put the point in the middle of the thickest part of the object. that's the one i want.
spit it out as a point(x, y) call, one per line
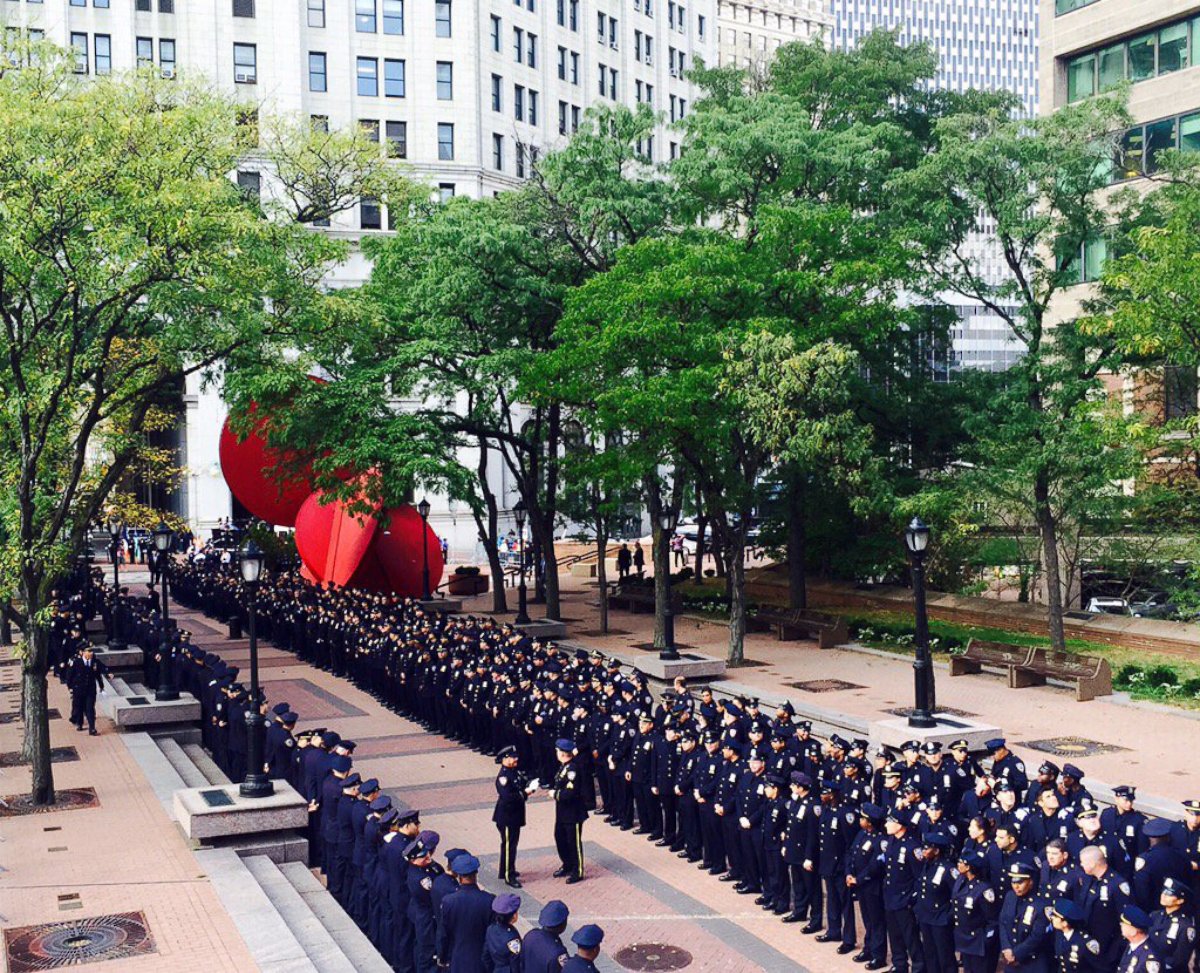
point(1108, 606)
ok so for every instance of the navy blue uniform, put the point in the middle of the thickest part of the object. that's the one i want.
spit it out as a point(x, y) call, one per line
point(1173, 935)
point(541, 952)
point(934, 912)
point(900, 866)
point(1025, 930)
point(466, 916)
point(509, 817)
point(976, 908)
point(501, 949)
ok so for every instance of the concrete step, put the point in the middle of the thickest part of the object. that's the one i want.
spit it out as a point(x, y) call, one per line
point(268, 935)
point(192, 775)
point(120, 686)
point(164, 779)
point(318, 944)
point(340, 926)
point(205, 764)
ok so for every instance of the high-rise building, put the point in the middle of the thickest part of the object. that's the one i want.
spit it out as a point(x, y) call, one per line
point(749, 33)
point(991, 45)
point(465, 93)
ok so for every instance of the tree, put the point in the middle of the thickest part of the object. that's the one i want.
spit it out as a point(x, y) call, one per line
point(128, 260)
point(1036, 183)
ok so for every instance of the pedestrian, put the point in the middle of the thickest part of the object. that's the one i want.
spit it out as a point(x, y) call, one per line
point(639, 559)
point(624, 560)
point(85, 679)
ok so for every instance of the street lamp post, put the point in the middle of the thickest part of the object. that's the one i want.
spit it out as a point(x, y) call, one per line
point(666, 523)
point(256, 783)
point(522, 594)
point(166, 691)
point(115, 527)
point(916, 539)
point(423, 510)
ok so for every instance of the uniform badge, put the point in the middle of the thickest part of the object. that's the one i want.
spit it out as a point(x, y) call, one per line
point(1192, 934)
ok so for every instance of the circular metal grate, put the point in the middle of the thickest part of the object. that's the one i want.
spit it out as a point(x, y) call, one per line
point(60, 944)
point(652, 957)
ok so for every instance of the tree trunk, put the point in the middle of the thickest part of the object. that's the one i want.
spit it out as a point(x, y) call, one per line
point(489, 531)
point(736, 547)
point(36, 746)
point(5, 626)
point(1049, 534)
point(796, 541)
point(602, 572)
point(545, 540)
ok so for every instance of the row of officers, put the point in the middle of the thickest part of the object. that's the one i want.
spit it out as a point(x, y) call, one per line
point(923, 860)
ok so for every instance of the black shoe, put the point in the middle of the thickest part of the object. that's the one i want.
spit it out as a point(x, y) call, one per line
point(684, 854)
point(514, 884)
point(762, 900)
point(656, 836)
point(875, 965)
point(781, 911)
point(693, 859)
point(627, 827)
point(860, 957)
point(93, 733)
point(792, 917)
point(811, 928)
point(713, 871)
point(845, 948)
point(826, 938)
point(561, 872)
point(676, 847)
point(79, 729)
point(661, 843)
point(574, 879)
point(740, 887)
point(729, 877)
point(641, 830)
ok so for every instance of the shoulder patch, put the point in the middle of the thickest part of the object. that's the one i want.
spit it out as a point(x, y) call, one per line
point(989, 895)
point(1139, 864)
point(1093, 947)
point(503, 781)
point(1153, 966)
point(1124, 887)
point(514, 945)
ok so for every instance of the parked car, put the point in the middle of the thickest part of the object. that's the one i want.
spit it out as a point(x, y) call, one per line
point(1151, 604)
point(1108, 606)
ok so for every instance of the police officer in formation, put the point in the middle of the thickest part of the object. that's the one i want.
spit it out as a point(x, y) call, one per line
point(925, 859)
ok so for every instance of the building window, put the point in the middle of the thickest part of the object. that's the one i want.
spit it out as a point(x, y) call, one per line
point(245, 63)
point(243, 8)
point(574, 68)
point(495, 33)
point(250, 183)
point(103, 47)
point(575, 113)
point(166, 57)
point(602, 74)
point(393, 78)
point(498, 152)
point(316, 13)
point(364, 16)
point(497, 96)
point(1066, 6)
point(397, 139)
point(519, 102)
point(317, 75)
point(533, 107)
point(100, 4)
point(1161, 51)
point(520, 161)
point(445, 81)
point(166, 6)
point(441, 18)
point(367, 71)
point(445, 134)
point(445, 191)
point(370, 214)
point(573, 9)
point(145, 52)
point(562, 64)
point(518, 44)
point(531, 51)
point(79, 42)
point(562, 118)
point(393, 17)
point(560, 12)
point(143, 6)
point(78, 3)
point(701, 23)
point(370, 129)
point(1180, 391)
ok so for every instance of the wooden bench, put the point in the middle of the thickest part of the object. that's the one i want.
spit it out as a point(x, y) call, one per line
point(828, 630)
point(994, 655)
point(1090, 674)
point(632, 599)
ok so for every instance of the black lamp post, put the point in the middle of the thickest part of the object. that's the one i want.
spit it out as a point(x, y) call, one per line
point(115, 527)
point(522, 595)
point(666, 523)
point(257, 783)
point(916, 539)
point(166, 691)
point(423, 510)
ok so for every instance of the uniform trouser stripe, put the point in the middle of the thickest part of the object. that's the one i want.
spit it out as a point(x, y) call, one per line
point(579, 846)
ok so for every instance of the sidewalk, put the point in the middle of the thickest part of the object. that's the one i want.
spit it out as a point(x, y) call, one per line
point(1144, 745)
point(122, 855)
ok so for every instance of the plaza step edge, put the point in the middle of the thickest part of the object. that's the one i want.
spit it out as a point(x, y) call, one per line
point(345, 931)
point(189, 773)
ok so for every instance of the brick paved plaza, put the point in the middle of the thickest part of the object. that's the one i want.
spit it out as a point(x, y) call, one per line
point(125, 855)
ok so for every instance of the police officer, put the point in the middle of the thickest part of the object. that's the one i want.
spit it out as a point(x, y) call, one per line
point(800, 853)
point(900, 865)
point(1074, 950)
point(835, 833)
point(466, 915)
point(1139, 955)
point(976, 908)
point(422, 870)
point(542, 950)
point(1025, 942)
point(588, 939)
point(85, 678)
point(934, 909)
point(1172, 930)
point(1006, 765)
point(1103, 895)
point(502, 944)
point(569, 813)
point(512, 791)
point(1156, 864)
point(864, 884)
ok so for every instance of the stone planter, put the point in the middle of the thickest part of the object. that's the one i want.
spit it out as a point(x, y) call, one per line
point(465, 585)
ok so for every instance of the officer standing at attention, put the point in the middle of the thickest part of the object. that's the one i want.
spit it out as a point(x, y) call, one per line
point(1139, 955)
point(1172, 930)
point(1024, 929)
point(543, 950)
point(569, 814)
point(466, 915)
point(975, 910)
point(1074, 950)
point(502, 944)
point(512, 791)
point(588, 939)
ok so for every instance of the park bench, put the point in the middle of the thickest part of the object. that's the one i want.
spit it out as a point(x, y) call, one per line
point(828, 630)
point(994, 655)
point(1090, 674)
point(632, 599)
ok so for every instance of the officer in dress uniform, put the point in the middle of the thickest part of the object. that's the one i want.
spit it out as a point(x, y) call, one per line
point(502, 944)
point(542, 950)
point(1103, 895)
point(588, 939)
point(800, 841)
point(512, 791)
point(900, 864)
point(466, 915)
point(1125, 821)
point(976, 908)
point(1006, 765)
point(85, 678)
point(835, 833)
point(1139, 955)
point(1025, 942)
point(1172, 930)
point(934, 909)
point(1185, 836)
point(569, 814)
point(1074, 950)
point(422, 870)
point(1156, 864)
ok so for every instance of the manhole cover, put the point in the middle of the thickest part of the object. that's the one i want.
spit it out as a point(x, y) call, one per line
point(653, 956)
point(64, 800)
point(58, 944)
point(824, 685)
point(1072, 746)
